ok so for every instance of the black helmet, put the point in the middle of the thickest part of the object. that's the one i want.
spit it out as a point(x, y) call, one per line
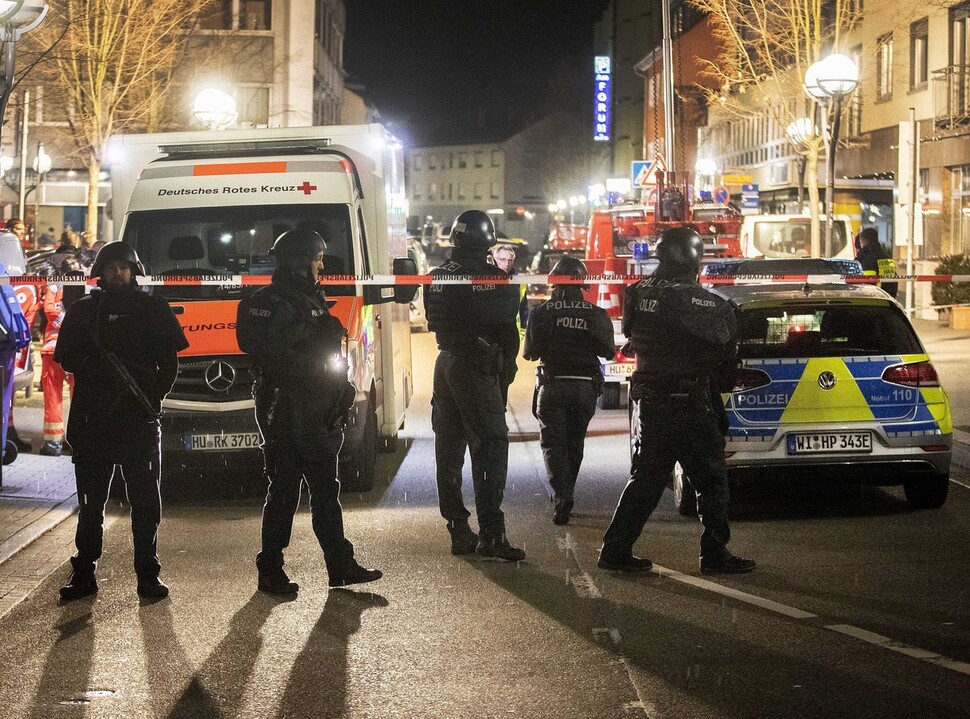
point(117, 252)
point(680, 248)
point(295, 249)
point(569, 267)
point(473, 230)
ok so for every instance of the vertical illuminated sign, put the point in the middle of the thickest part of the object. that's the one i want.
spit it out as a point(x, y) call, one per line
point(603, 97)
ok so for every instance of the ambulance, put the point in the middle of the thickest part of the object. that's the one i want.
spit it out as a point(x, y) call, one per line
point(204, 208)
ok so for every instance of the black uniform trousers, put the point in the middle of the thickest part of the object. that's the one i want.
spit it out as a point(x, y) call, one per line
point(143, 481)
point(673, 429)
point(564, 408)
point(286, 469)
point(467, 411)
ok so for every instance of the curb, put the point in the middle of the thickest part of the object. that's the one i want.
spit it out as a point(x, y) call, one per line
point(24, 537)
point(961, 449)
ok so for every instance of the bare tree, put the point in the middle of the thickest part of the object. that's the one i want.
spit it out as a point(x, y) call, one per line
point(109, 62)
point(767, 45)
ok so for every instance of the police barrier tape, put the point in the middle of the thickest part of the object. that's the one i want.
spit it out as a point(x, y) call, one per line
point(191, 280)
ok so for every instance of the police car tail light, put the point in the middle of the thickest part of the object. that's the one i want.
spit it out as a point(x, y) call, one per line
point(746, 379)
point(620, 357)
point(935, 448)
point(912, 374)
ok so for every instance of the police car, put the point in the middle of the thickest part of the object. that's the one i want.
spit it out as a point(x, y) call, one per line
point(833, 382)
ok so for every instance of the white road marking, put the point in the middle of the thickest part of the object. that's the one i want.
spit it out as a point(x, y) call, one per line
point(611, 636)
point(776, 607)
point(894, 646)
point(957, 481)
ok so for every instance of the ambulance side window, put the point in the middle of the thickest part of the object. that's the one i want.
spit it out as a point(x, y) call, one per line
point(363, 242)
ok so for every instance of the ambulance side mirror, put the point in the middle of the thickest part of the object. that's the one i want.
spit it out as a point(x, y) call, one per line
point(400, 294)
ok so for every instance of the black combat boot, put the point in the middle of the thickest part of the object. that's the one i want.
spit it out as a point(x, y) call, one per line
point(81, 584)
point(625, 564)
point(563, 509)
point(273, 580)
point(499, 549)
point(152, 588)
point(51, 448)
point(727, 563)
point(350, 572)
point(463, 539)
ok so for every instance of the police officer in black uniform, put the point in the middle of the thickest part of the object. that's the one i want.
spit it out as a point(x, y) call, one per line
point(114, 417)
point(302, 395)
point(568, 335)
point(476, 333)
point(685, 339)
point(876, 261)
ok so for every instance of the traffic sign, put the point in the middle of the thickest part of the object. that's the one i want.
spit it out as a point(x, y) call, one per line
point(750, 200)
point(721, 195)
point(641, 174)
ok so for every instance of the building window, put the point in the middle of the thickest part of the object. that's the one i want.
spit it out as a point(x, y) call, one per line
point(478, 159)
point(496, 158)
point(494, 190)
point(237, 15)
point(884, 67)
point(462, 160)
point(253, 105)
point(50, 108)
point(960, 224)
point(478, 190)
point(432, 191)
point(416, 193)
point(461, 191)
point(432, 161)
point(450, 187)
point(918, 54)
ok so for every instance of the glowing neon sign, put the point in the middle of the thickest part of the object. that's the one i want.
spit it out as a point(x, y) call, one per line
point(602, 98)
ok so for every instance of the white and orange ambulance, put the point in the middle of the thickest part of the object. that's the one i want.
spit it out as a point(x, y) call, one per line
point(206, 207)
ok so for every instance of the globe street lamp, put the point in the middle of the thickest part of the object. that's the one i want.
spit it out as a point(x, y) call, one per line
point(827, 82)
point(215, 109)
point(16, 18)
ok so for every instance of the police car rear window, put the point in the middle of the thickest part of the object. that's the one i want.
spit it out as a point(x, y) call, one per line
point(234, 241)
point(825, 330)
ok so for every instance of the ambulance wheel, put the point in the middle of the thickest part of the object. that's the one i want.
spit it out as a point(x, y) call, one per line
point(610, 399)
point(357, 473)
point(685, 499)
point(10, 452)
point(927, 492)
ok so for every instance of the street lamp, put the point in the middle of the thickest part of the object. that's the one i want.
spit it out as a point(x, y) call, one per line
point(42, 165)
point(16, 18)
point(827, 82)
point(215, 109)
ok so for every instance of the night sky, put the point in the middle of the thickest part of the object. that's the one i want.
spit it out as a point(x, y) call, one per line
point(443, 71)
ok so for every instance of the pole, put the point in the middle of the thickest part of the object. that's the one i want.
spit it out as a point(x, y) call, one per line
point(37, 189)
point(668, 63)
point(910, 242)
point(23, 157)
point(830, 171)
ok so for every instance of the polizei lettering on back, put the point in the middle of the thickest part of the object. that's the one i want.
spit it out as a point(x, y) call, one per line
point(702, 303)
point(647, 305)
point(573, 323)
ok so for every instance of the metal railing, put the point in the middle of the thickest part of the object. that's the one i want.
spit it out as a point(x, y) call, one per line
point(951, 95)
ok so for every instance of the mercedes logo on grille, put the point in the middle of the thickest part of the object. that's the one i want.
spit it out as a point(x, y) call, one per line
point(826, 380)
point(220, 376)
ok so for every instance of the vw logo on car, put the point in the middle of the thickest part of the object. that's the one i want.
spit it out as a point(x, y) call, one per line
point(826, 380)
point(220, 376)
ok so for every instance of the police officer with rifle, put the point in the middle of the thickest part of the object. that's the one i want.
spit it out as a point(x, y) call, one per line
point(478, 341)
point(302, 397)
point(122, 346)
point(568, 335)
point(685, 339)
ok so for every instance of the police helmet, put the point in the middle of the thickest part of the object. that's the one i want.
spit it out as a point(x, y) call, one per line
point(117, 252)
point(569, 267)
point(294, 250)
point(473, 230)
point(680, 248)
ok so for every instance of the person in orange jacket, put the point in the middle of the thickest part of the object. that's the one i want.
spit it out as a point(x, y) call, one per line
point(52, 375)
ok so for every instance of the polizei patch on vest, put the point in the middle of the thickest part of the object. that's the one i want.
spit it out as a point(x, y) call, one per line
point(702, 303)
point(573, 323)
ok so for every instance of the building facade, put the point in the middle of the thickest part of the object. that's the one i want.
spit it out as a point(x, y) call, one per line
point(280, 60)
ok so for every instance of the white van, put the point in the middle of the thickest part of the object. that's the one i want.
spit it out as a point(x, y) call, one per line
point(771, 236)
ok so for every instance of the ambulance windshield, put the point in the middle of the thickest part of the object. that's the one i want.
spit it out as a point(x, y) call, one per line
point(234, 241)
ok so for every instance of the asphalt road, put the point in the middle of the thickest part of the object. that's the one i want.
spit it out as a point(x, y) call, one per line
point(859, 607)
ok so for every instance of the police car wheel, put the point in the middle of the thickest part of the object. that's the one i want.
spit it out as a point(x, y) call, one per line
point(610, 399)
point(685, 499)
point(927, 492)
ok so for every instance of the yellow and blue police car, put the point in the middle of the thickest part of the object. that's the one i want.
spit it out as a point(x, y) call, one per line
point(833, 382)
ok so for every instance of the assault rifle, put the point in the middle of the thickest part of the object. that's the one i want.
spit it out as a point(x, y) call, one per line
point(122, 373)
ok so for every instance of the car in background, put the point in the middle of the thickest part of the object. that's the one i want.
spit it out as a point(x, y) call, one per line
point(13, 259)
point(832, 383)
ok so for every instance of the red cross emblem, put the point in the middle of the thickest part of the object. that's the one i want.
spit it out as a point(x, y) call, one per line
point(307, 188)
